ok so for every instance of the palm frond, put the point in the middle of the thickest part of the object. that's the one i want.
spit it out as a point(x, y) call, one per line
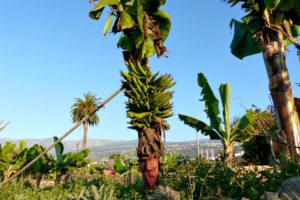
point(254, 123)
point(83, 107)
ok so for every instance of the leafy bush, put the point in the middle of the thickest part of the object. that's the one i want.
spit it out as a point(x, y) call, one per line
point(201, 179)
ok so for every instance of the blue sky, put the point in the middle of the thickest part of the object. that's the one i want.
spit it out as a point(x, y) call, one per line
point(51, 52)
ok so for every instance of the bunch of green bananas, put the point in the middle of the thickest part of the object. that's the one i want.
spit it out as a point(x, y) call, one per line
point(148, 97)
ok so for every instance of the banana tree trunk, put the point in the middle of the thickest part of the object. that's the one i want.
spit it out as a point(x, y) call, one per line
point(229, 154)
point(39, 180)
point(85, 134)
point(274, 54)
point(150, 149)
point(58, 178)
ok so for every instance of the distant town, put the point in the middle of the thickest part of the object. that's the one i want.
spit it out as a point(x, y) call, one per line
point(103, 149)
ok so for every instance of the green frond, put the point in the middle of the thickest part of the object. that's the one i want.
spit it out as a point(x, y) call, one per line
point(83, 107)
point(253, 123)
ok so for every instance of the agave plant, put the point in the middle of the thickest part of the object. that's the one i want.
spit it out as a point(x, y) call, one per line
point(249, 123)
point(144, 29)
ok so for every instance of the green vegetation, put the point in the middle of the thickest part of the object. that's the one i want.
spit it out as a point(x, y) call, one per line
point(144, 28)
point(67, 163)
point(243, 129)
point(268, 27)
point(195, 178)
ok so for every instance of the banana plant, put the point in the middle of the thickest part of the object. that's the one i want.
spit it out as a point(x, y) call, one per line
point(220, 127)
point(125, 165)
point(43, 166)
point(144, 28)
point(67, 163)
point(143, 25)
point(269, 26)
point(12, 157)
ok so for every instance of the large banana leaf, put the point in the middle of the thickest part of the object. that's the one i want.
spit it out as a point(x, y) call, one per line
point(152, 5)
point(126, 20)
point(59, 149)
point(200, 126)
point(211, 103)
point(164, 23)
point(243, 44)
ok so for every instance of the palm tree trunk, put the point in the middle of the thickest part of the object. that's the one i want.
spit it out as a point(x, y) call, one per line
point(85, 134)
point(274, 54)
point(229, 154)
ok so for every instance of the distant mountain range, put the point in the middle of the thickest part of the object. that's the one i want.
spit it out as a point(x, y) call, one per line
point(102, 149)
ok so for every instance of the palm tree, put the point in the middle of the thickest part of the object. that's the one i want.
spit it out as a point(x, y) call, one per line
point(81, 108)
point(144, 28)
point(239, 131)
point(268, 27)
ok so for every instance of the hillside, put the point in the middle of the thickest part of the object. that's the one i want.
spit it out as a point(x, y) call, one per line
point(102, 149)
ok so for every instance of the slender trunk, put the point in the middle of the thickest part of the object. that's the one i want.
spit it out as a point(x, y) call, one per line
point(129, 175)
point(278, 145)
point(58, 178)
point(198, 145)
point(85, 134)
point(150, 149)
point(39, 180)
point(229, 154)
point(274, 54)
point(270, 143)
point(67, 177)
point(19, 178)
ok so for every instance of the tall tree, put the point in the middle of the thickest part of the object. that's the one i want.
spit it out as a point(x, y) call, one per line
point(249, 123)
point(268, 27)
point(81, 108)
point(144, 28)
